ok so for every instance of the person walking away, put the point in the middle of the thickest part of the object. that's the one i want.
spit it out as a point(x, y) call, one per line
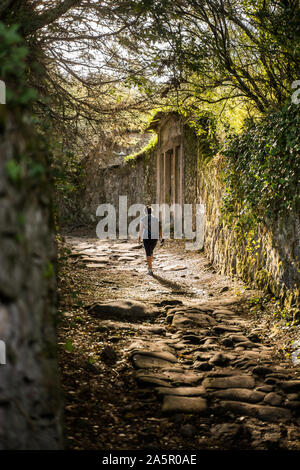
point(150, 232)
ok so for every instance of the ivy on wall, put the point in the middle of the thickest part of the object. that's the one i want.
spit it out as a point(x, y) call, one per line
point(263, 168)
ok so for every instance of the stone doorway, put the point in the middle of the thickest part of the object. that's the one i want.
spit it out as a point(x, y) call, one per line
point(170, 176)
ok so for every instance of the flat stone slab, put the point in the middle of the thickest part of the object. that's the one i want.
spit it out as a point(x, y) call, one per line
point(149, 362)
point(127, 309)
point(123, 246)
point(239, 338)
point(148, 346)
point(220, 359)
point(96, 259)
point(182, 391)
point(177, 404)
point(174, 267)
point(192, 319)
point(204, 307)
point(117, 325)
point(151, 380)
point(223, 311)
point(181, 321)
point(127, 258)
point(291, 386)
point(273, 399)
point(179, 378)
point(179, 346)
point(163, 355)
point(187, 378)
point(223, 328)
point(237, 381)
point(272, 414)
point(96, 265)
point(239, 394)
point(224, 372)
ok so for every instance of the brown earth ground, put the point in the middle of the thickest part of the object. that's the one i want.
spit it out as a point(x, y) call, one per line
point(105, 406)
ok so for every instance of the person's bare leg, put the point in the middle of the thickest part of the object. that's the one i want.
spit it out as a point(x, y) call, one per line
point(149, 261)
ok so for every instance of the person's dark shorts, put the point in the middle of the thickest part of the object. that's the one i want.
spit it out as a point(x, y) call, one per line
point(149, 246)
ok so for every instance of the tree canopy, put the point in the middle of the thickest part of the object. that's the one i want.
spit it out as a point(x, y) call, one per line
point(185, 54)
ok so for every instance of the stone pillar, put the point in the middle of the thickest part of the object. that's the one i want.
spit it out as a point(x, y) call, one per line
point(158, 170)
point(181, 159)
point(173, 178)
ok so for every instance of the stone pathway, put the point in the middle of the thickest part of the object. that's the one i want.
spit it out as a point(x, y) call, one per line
point(194, 349)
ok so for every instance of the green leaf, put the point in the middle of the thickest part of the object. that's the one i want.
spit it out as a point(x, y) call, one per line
point(69, 346)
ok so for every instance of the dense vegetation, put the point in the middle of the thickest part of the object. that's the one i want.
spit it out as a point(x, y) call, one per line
point(30, 166)
point(263, 168)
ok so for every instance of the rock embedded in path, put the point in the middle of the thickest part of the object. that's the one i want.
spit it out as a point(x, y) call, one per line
point(191, 338)
point(203, 307)
point(204, 366)
point(159, 354)
point(240, 381)
point(193, 320)
point(265, 388)
point(108, 355)
point(181, 321)
point(225, 431)
point(169, 302)
point(262, 371)
point(220, 359)
point(166, 378)
point(188, 430)
point(121, 309)
point(227, 342)
point(273, 399)
point(107, 325)
point(174, 267)
point(239, 394)
point(246, 345)
point(151, 380)
point(291, 386)
point(126, 258)
point(141, 361)
point(238, 338)
point(178, 404)
point(223, 311)
point(201, 356)
point(224, 328)
point(96, 258)
point(182, 391)
point(272, 414)
point(147, 346)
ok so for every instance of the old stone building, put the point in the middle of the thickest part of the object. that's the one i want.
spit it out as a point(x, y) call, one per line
point(169, 158)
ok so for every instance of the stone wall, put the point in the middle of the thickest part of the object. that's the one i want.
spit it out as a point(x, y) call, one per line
point(30, 403)
point(270, 258)
point(135, 179)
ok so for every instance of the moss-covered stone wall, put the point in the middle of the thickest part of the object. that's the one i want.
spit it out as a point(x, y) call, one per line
point(268, 257)
point(135, 179)
point(30, 401)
